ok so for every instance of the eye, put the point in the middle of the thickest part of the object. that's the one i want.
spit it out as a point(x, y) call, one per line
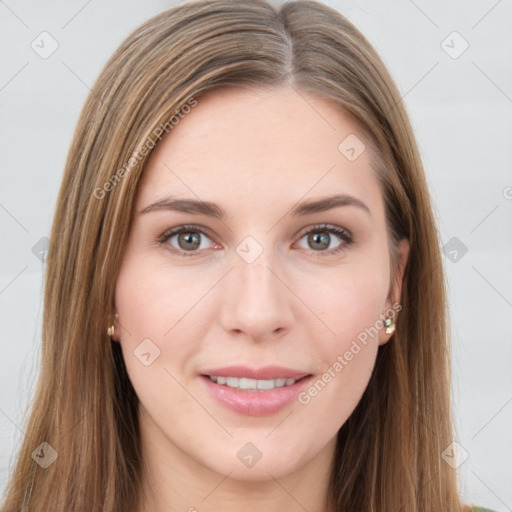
point(319, 238)
point(188, 239)
point(189, 243)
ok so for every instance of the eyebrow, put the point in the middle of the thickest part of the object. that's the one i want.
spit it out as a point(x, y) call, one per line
point(214, 210)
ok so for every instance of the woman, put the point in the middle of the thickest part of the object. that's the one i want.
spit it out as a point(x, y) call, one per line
point(244, 303)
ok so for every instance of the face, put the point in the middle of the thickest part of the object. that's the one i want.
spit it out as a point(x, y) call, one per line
point(263, 282)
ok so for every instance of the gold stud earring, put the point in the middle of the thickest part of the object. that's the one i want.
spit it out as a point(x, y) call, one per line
point(390, 325)
point(110, 330)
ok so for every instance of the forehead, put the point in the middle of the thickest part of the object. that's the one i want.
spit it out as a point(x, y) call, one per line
point(260, 146)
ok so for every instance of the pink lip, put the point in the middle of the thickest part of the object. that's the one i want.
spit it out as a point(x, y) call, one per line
point(264, 373)
point(253, 402)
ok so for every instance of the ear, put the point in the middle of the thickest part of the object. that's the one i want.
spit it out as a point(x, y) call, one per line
point(395, 294)
point(117, 327)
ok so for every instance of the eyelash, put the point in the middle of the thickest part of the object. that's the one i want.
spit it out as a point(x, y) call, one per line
point(318, 228)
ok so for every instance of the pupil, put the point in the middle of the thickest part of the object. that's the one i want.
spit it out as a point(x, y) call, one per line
point(323, 239)
point(189, 239)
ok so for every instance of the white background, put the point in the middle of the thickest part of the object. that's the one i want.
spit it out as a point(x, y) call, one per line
point(461, 109)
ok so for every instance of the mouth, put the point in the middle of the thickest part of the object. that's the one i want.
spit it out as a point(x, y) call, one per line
point(255, 397)
point(254, 385)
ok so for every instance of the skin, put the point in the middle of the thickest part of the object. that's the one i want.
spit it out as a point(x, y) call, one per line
point(255, 153)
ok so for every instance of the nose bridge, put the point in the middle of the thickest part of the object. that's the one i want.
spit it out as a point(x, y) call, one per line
point(259, 302)
point(256, 280)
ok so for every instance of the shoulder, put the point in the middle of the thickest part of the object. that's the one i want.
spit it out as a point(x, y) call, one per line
point(481, 509)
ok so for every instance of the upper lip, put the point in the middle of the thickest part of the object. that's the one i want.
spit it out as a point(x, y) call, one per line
point(263, 373)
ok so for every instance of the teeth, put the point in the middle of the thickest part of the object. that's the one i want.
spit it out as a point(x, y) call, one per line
point(244, 383)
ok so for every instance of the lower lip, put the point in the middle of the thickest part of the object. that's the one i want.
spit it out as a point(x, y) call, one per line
point(253, 402)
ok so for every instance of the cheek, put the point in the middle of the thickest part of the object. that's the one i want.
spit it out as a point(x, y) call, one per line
point(347, 357)
point(351, 300)
point(351, 304)
point(152, 303)
point(157, 305)
point(153, 298)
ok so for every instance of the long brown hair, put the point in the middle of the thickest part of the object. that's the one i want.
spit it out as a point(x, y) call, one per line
point(388, 455)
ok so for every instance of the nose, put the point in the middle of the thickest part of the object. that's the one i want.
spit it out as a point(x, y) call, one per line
point(258, 303)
